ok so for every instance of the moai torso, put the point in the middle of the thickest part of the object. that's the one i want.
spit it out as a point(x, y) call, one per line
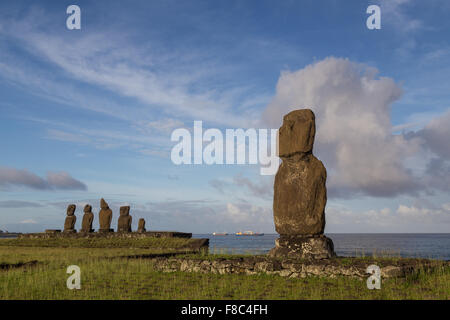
point(88, 218)
point(105, 215)
point(69, 223)
point(124, 223)
point(141, 225)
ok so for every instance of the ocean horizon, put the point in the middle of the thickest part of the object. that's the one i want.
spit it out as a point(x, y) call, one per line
point(405, 245)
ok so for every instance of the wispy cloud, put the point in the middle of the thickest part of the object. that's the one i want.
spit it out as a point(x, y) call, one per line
point(11, 177)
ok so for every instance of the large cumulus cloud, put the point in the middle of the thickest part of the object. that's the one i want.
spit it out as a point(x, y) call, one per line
point(354, 139)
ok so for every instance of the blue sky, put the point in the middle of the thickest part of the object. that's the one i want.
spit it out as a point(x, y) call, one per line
point(88, 113)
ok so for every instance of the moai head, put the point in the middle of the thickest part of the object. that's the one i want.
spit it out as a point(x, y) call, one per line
point(103, 204)
point(125, 211)
point(71, 209)
point(87, 208)
point(141, 224)
point(296, 135)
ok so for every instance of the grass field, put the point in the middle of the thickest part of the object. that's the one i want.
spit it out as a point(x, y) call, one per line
point(110, 273)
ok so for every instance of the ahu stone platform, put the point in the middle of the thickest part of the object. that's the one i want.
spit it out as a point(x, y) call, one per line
point(49, 234)
point(295, 268)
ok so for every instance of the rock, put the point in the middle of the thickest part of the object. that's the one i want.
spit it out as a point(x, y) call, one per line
point(88, 218)
point(51, 231)
point(105, 217)
point(124, 223)
point(304, 247)
point(296, 135)
point(300, 196)
point(69, 223)
point(141, 225)
point(392, 272)
point(300, 193)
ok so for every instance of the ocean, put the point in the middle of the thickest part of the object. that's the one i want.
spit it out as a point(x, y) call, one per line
point(407, 245)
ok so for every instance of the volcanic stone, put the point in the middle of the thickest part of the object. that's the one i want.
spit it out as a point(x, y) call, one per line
point(300, 196)
point(141, 225)
point(88, 218)
point(296, 135)
point(124, 223)
point(300, 193)
point(105, 217)
point(69, 223)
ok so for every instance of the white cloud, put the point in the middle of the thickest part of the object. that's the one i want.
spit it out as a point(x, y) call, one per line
point(406, 218)
point(160, 83)
point(393, 12)
point(425, 214)
point(354, 139)
point(436, 135)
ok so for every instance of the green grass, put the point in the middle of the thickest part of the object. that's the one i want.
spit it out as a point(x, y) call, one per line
point(107, 273)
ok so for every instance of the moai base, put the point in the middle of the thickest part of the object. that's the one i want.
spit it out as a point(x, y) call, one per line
point(303, 247)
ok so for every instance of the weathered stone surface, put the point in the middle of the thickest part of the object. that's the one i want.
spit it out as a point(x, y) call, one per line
point(109, 235)
point(124, 222)
point(52, 230)
point(305, 247)
point(296, 135)
point(300, 193)
point(141, 225)
point(105, 217)
point(69, 223)
point(286, 267)
point(392, 272)
point(300, 196)
point(88, 218)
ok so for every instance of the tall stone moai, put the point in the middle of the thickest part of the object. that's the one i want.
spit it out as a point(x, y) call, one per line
point(88, 218)
point(105, 217)
point(69, 223)
point(124, 222)
point(300, 193)
point(141, 225)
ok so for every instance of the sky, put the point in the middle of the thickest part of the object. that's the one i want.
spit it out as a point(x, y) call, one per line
point(89, 113)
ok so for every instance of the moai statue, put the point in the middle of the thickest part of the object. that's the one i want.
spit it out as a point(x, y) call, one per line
point(141, 225)
point(69, 223)
point(88, 218)
point(124, 223)
point(105, 217)
point(300, 194)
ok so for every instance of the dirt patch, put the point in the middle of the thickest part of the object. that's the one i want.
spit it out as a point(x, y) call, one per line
point(7, 266)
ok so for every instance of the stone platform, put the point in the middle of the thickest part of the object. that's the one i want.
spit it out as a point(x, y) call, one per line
point(148, 234)
point(294, 268)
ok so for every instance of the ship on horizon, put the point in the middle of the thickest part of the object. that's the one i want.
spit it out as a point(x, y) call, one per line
point(249, 233)
point(220, 233)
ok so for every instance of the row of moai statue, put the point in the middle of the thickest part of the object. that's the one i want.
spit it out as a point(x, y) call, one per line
point(105, 217)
